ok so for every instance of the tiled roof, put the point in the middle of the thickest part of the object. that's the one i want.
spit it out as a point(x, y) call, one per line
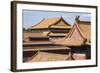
point(69, 42)
point(45, 23)
point(33, 34)
point(85, 27)
point(78, 35)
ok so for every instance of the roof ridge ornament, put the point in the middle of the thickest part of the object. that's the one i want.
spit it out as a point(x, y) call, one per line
point(77, 18)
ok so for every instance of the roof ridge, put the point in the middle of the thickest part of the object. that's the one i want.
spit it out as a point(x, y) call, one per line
point(72, 30)
point(80, 30)
point(61, 18)
point(65, 21)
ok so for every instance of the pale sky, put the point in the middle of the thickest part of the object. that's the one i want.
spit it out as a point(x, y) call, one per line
point(31, 17)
